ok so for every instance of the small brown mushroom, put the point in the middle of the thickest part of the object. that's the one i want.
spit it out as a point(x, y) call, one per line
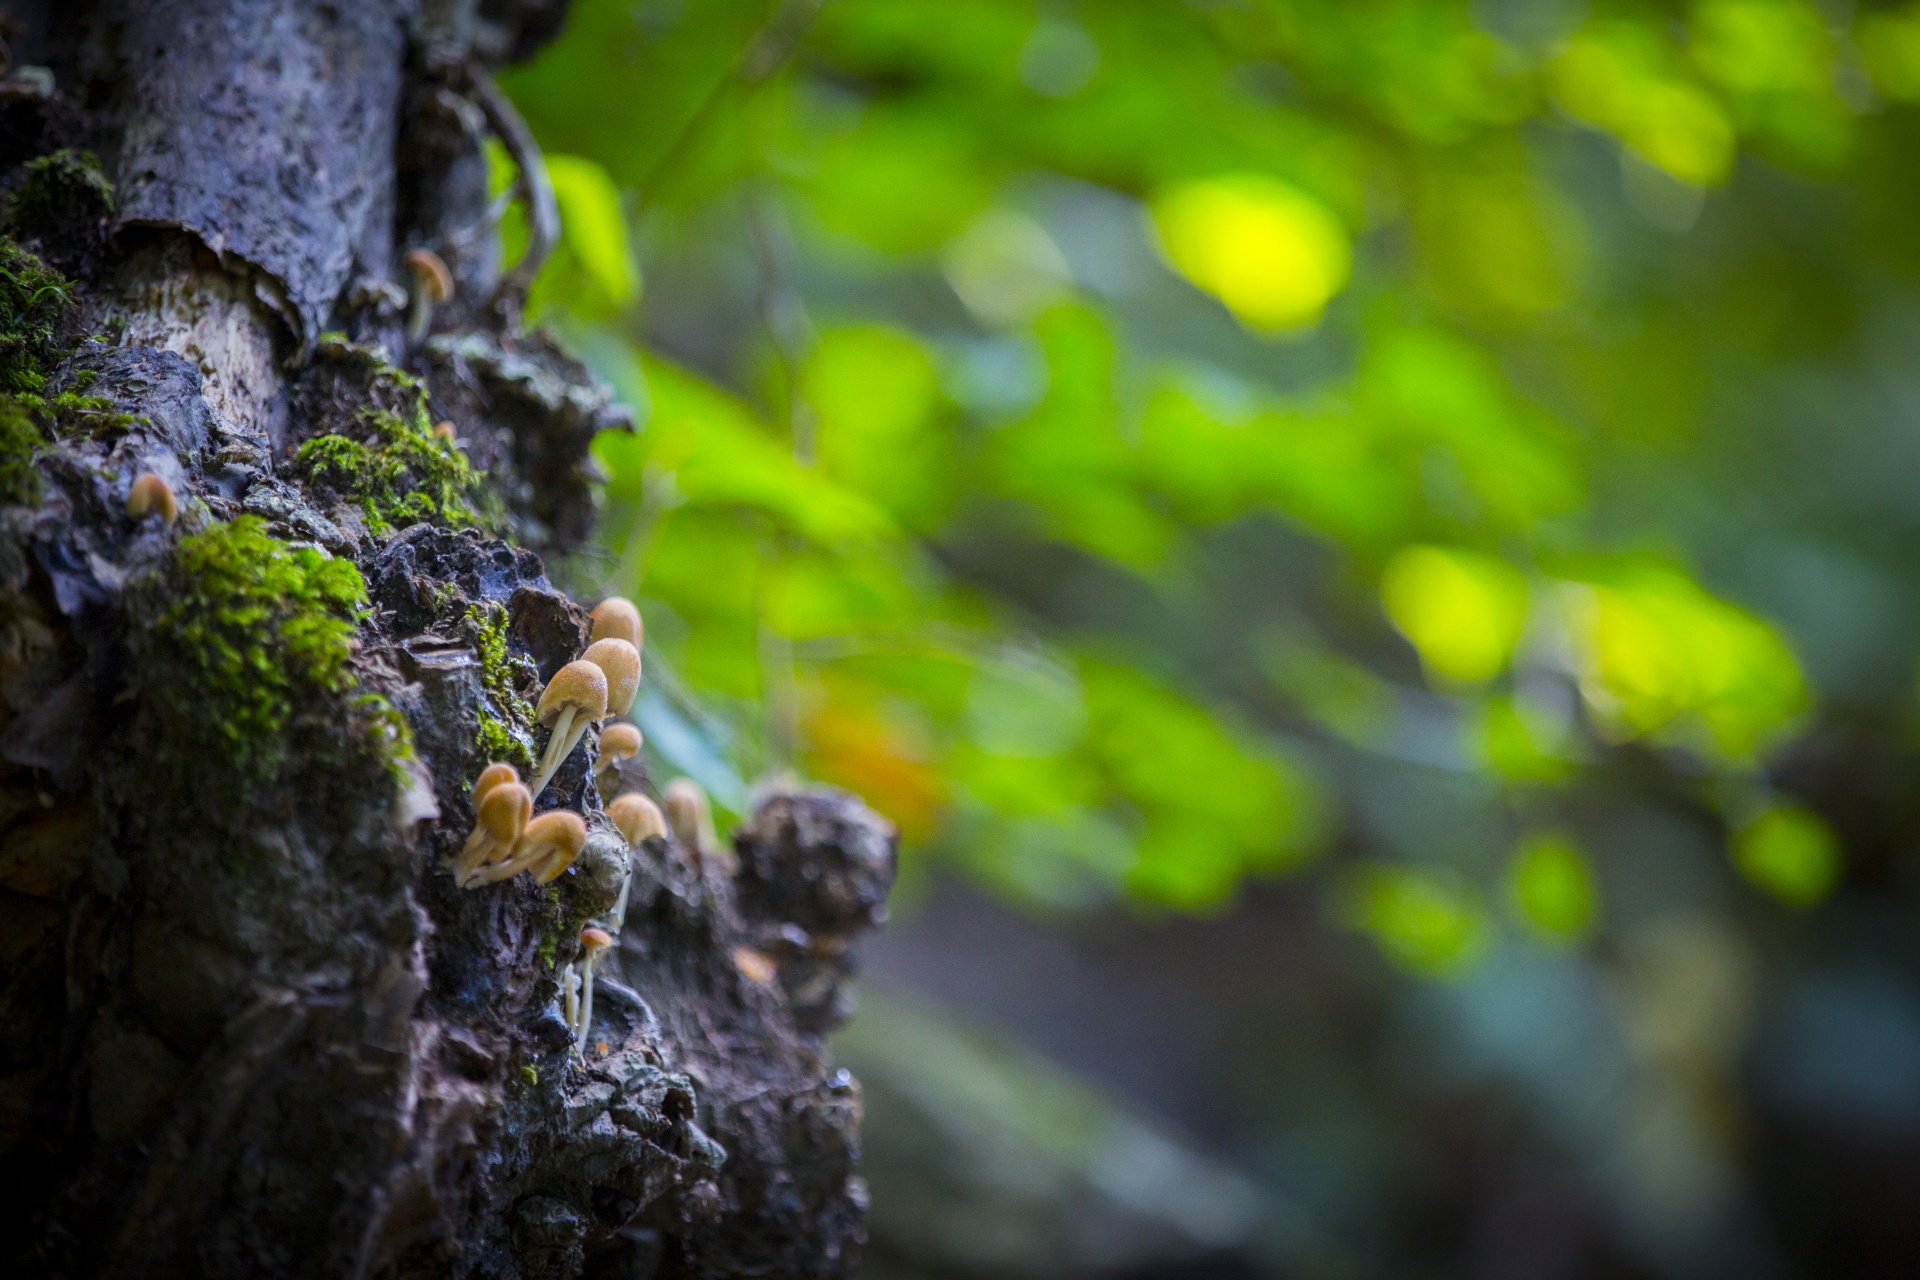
point(755, 966)
point(615, 618)
point(593, 941)
point(691, 817)
point(432, 285)
point(621, 663)
point(490, 777)
point(636, 818)
point(573, 699)
point(618, 742)
point(500, 820)
point(445, 431)
point(152, 495)
point(556, 835)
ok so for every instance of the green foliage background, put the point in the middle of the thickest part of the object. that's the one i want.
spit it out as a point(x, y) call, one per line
point(1146, 445)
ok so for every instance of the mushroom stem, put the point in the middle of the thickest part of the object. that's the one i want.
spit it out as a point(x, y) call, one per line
point(570, 989)
point(586, 1002)
point(568, 729)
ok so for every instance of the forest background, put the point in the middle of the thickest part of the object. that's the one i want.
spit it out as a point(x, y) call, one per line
point(1368, 548)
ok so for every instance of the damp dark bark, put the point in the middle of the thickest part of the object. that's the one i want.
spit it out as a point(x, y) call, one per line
point(248, 1024)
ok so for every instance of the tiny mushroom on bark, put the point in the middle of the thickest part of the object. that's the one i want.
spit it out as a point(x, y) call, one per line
point(691, 817)
point(432, 284)
point(500, 819)
point(555, 836)
point(151, 495)
point(593, 941)
point(636, 817)
point(617, 742)
point(445, 431)
point(620, 662)
point(573, 699)
point(615, 618)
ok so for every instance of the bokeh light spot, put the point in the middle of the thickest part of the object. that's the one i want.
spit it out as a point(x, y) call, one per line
point(1273, 254)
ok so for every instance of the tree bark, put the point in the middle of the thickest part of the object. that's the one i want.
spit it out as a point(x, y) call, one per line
point(248, 1024)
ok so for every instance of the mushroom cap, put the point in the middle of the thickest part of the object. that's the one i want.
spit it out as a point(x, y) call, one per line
point(595, 940)
point(636, 817)
point(621, 663)
point(152, 495)
point(688, 812)
point(556, 830)
point(445, 430)
point(615, 618)
point(581, 685)
point(490, 777)
point(619, 742)
point(505, 811)
point(430, 271)
point(554, 840)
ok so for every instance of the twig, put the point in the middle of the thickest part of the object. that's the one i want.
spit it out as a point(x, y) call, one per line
point(536, 189)
point(770, 47)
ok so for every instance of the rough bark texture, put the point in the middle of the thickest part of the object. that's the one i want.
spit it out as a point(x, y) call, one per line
point(248, 1025)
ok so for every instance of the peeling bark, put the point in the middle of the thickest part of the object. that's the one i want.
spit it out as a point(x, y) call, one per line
point(248, 1025)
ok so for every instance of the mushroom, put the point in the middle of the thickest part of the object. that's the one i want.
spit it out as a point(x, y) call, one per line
point(570, 992)
point(554, 836)
point(636, 818)
point(573, 699)
point(500, 819)
point(691, 817)
point(617, 742)
point(151, 495)
point(490, 777)
point(445, 431)
point(432, 284)
point(621, 663)
point(593, 941)
point(615, 618)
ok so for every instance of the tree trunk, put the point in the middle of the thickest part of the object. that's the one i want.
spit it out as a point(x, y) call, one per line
point(248, 1024)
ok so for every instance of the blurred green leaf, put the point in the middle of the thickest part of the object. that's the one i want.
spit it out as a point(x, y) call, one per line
point(1791, 853)
point(1553, 886)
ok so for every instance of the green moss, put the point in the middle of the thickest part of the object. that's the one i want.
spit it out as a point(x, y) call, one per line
point(549, 949)
point(19, 441)
point(250, 634)
point(395, 470)
point(500, 737)
point(497, 741)
point(62, 192)
point(34, 304)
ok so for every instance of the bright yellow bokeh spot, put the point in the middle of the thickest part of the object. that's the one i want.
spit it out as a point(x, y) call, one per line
point(1660, 654)
point(1273, 254)
point(1789, 852)
point(1463, 611)
point(1553, 886)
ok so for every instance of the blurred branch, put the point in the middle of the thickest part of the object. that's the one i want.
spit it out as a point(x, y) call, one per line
point(765, 54)
point(536, 189)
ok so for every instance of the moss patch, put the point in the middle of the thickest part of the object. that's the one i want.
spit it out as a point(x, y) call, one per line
point(251, 634)
point(396, 471)
point(62, 192)
point(19, 441)
point(500, 737)
point(35, 305)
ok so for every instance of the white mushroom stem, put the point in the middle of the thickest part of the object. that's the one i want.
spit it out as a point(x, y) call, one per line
point(570, 990)
point(568, 729)
point(586, 1002)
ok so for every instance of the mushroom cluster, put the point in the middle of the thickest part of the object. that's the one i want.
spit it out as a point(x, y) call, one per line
point(508, 838)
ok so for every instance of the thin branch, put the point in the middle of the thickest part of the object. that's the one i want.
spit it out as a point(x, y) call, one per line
point(769, 49)
point(536, 189)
